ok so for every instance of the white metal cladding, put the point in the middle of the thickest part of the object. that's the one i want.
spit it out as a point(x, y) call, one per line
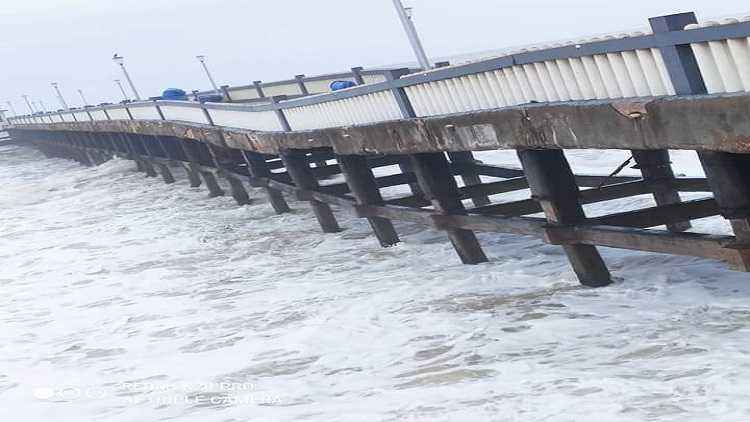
point(118, 113)
point(363, 109)
point(148, 112)
point(286, 89)
point(636, 73)
point(98, 115)
point(68, 117)
point(323, 85)
point(240, 94)
point(82, 116)
point(724, 64)
point(185, 114)
point(373, 79)
point(259, 120)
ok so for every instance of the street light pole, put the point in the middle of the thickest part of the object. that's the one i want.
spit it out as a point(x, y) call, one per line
point(121, 61)
point(405, 15)
point(124, 94)
point(202, 59)
point(28, 104)
point(85, 103)
point(59, 96)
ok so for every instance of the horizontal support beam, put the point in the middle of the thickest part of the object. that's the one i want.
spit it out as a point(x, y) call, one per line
point(661, 215)
point(525, 226)
point(649, 240)
point(396, 213)
point(493, 188)
point(382, 182)
point(587, 196)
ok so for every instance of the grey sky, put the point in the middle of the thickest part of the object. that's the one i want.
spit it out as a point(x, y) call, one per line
point(72, 41)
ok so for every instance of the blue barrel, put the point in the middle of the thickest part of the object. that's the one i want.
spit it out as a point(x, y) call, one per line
point(211, 98)
point(337, 85)
point(174, 94)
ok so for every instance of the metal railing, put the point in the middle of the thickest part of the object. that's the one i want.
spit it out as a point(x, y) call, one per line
point(301, 85)
point(634, 65)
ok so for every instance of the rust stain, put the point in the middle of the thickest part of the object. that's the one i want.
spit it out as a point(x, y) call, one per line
point(631, 109)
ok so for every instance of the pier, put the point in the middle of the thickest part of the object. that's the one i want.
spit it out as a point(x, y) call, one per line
point(684, 86)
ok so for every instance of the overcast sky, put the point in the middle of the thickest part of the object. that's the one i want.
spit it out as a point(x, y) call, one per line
point(72, 41)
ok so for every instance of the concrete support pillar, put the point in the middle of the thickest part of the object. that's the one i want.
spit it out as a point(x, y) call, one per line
point(362, 184)
point(193, 176)
point(553, 185)
point(258, 169)
point(656, 166)
point(194, 167)
point(238, 191)
point(166, 174)
point(133, 154)
point(149, 168)
point(469, 179)
point(212, 184)
point(439, 187)
point(299, 170)
point(406, 168)
point(76, 151)
point(729, 178)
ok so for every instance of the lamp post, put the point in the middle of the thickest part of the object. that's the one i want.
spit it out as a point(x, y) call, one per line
point(405, 14)
point(124, 94)
point(12, 110)
point(59, 95)
point(83, 98)
point(121, 61)
point(28, 104)
point(202, 59)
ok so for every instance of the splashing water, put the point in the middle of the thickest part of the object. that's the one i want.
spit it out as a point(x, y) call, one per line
point(125, 299)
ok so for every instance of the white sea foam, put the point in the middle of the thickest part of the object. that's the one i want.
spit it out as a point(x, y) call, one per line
point(125, 299)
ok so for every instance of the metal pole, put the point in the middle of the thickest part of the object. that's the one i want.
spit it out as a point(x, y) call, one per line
point(12, 110)
point(44, 108)
point(411, 32)
point(59, 96)
point(202, 59)
point(80, 92)
point(28, 104)
point(124, 94)
point(121, 61)
point(130, 82)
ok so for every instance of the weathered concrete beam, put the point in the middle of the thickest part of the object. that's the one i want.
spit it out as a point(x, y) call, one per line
point(704, 123)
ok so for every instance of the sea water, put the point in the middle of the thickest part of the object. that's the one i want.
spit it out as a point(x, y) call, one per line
point(126, 299)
